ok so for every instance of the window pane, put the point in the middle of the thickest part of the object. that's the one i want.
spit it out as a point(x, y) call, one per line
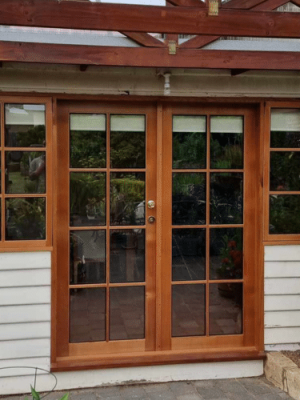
point(226, 142)
point(226, 253)
point(127, 198)
point(88, 140)
point(87, 315)
point(87, 198)
point(284, 214)
point(127, 313)
point(188, 254)
point(127, 141)
point(226, 198)
point(188, 310)
point(87, 257)
point(285, 128)
point(25, 125)
point(26, 219)
point(25, 172)
point(285, 171)
point(226, 309)
point(189, 199)
point(189, 141)
point(127, 256)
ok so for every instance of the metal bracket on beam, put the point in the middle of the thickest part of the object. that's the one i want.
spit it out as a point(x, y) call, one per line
point(172, 44)
point(213, 7)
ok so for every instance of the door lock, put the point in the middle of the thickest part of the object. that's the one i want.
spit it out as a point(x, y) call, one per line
point(151, 219)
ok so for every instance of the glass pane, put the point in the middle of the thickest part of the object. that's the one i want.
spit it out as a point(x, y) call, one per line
point(88, 141)
point(226, 309)
point(188, 254)
point(87, 315)
point(226, 198)
point(127, 198)
point(127, 256)
point(87, 198)
point(25, 125)
point(127, 313)
point(285, 128)
point(25, 172)
point(226, 142)
point(285, 171)
point(127, 141)
point(189, 199)
point(26, 219)
point(284, 214)
point(188, 310)
point(87, 257)
point(189, 141)
point(226, 253)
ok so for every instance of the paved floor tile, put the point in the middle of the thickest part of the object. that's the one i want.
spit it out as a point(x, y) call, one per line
point(225, 389)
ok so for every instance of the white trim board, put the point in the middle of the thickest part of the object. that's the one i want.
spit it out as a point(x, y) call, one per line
point(122, 376)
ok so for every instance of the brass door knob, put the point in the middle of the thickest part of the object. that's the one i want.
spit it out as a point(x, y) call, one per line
point(151, 204)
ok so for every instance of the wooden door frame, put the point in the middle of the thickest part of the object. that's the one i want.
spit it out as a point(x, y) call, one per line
point(162, 354)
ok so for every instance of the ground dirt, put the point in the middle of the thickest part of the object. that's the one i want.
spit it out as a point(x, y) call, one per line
point(294, 356)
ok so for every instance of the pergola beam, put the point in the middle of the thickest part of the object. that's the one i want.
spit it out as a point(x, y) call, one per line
point(147, 57)
point(177, 20)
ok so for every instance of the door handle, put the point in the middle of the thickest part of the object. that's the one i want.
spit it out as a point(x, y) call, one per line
point(151, 204)
point(151, 219)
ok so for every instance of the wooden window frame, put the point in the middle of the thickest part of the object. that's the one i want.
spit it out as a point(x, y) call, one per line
point(274, 239)
point(28, 245)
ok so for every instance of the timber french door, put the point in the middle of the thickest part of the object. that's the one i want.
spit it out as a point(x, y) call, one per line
point(157, 232)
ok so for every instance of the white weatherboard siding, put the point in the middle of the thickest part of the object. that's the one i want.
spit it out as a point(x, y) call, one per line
point(25, 280)
point(282, 297)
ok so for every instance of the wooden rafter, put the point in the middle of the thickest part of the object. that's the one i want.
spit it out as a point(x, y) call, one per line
point(147, 57)
point(187, 3)
point(144, 39)
point(181, 20)
point(267, 5)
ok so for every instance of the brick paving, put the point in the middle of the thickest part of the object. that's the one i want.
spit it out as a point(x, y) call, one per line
point(227, 389)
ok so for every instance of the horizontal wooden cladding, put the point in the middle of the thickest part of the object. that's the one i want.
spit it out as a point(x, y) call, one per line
point(132, 18)
point(288, 302)
point(36, 330)
point(28, 260)
point(156, 358)
point(282, 253)
point(147, 57)
point(25, 295)
point(282, 335)
point(24, 348)
point(23, 364)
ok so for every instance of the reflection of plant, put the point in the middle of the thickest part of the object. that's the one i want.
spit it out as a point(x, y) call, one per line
point(285, 170)
point(87, 190)
point(34, 135)
point(88, 149)
point(189, 149)
point(26, 219)
point(226, 150)
point(232, 258)
point(284, 214)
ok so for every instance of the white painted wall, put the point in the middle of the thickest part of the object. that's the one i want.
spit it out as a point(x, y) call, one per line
point(25, 280)
point(282, 297)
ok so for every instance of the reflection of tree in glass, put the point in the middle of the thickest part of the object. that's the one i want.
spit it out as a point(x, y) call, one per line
point(26, 219)
point(127, 149)
point(33, 136)
point(285, 214)
point(127, 192)
point(285, 171)
point(226, 150)
point(87, 189)
point(285, 139)
point(189, 150)
point(88, 149)
point(188, 204)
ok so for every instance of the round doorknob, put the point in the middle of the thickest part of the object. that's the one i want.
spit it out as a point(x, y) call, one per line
point(151, 204)
point(151, 219)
